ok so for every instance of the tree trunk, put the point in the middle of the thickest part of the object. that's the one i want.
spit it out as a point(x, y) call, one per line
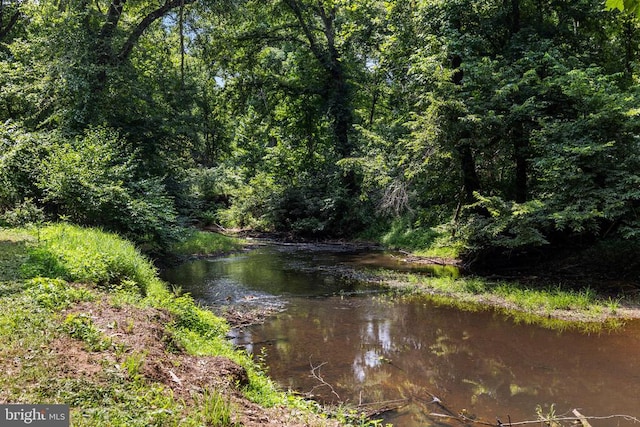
point(470, 180)
point(520, 154)
point(12, 21)
point(337, 92)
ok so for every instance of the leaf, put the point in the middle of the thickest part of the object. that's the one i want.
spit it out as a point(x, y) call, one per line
point(631, 6)
point(615, 4)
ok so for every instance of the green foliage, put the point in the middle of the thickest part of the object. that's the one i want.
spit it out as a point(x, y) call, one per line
point(403, 235)
point(190, 317)
point(55, 294)
point(80, 326)
point(216, 409)
point(91, 182)
point(21, 153)
point(194, 242)
point(23, 214)
point(518, 119)
point(631, 6)
point(507, 225)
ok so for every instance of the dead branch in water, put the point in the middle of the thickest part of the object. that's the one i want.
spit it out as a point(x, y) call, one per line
point(580, 419)
point(315, 373)
point(549, 421)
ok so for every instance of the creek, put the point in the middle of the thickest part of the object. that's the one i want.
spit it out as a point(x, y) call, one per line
point(341, 340)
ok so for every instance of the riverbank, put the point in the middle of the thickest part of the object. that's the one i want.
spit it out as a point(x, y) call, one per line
point(86, 322)
point(531, 296)
point(556, 294)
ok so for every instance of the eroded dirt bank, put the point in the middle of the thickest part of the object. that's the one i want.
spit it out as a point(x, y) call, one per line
point(140, 335)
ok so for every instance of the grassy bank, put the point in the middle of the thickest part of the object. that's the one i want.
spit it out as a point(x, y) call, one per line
point(87, 322)
point(551, 306)
point(545, 301)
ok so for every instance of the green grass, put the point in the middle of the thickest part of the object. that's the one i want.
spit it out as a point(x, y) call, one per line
point(196, 242)
point(521, 302)
point(39, 272)
point(420, 240)
point(88, 256)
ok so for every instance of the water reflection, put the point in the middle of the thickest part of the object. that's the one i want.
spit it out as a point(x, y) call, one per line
point(366, 348)
point(376, 351)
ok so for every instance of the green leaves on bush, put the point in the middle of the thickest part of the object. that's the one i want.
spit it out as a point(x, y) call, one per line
point(92, 181)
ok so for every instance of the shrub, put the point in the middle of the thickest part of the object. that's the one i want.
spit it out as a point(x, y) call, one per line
point(23, 214)
point(92, 181)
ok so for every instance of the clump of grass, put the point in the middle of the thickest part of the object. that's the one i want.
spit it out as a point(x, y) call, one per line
point(88, 256)
point(549, 298)
point(80, 326)
point(55, 294)
point(196, 242)
point(216, 410)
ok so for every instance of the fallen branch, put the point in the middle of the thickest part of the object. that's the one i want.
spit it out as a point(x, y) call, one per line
point(584, 420)
point(580, 419)
point(315, 373)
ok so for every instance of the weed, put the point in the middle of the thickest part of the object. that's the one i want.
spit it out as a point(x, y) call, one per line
point(80, 326)
point(215, 409)
point(55, 294)
point(133, 365)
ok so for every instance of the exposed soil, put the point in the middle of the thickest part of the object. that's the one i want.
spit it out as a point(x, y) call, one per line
point(141, 333)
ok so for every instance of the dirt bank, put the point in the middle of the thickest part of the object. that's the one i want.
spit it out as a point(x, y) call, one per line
point(140, 334)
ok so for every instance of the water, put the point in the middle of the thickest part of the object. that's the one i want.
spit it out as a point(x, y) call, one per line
point(340, 340)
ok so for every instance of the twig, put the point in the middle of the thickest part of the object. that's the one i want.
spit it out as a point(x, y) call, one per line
point(315, 374)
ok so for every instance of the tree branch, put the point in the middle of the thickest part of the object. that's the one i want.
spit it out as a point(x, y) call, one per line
point(313, 43)
point(154, 15)
point(12, 22)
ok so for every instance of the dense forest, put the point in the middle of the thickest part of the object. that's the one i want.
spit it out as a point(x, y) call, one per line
point(493, 126)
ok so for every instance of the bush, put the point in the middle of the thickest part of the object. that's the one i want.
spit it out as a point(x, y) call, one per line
point(21, 154)
point(23, 214)
point(90, 181)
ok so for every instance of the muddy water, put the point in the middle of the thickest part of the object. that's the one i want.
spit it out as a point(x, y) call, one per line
point(340, 340)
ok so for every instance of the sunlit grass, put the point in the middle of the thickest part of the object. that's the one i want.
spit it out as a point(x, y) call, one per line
point(88, 256)
point(548, 299)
